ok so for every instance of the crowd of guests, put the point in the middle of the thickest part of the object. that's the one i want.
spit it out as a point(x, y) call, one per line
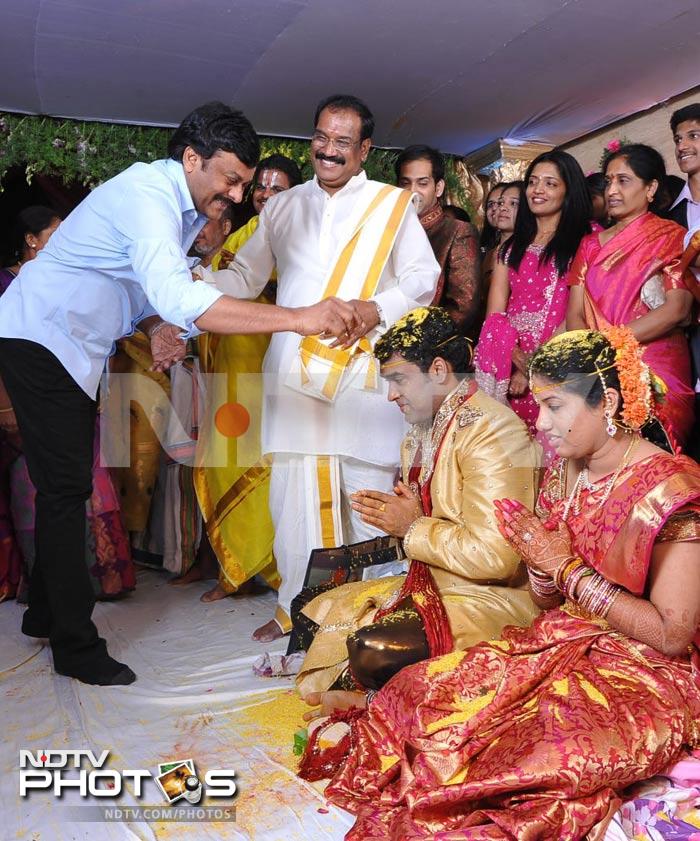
point(533, 612)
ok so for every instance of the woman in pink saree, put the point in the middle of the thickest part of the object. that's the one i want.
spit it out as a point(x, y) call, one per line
point(529, 293)
point(535, 735)
point(631, 274)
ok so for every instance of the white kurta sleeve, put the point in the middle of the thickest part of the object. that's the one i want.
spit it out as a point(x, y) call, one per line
point(416, 268)
point(248, 273)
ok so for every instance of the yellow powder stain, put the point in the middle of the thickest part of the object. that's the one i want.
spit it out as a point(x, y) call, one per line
point(459, 777)
point(502, 644)
point(561, 687)
point(418, 598)
point(593, 692)
point(272, 723)
point(39, 735)
point(377, 591)
point(443, 664)
point(386, 762)
point(465, 711)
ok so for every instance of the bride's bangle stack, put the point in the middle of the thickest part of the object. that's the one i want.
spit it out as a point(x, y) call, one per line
point(597, 596)
point(541, 584)
point(569, 574)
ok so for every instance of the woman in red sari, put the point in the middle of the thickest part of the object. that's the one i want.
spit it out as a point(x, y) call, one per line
point(535, 735)
point(630, 274)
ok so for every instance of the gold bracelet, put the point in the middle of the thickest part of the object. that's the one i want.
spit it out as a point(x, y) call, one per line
point(9, 409)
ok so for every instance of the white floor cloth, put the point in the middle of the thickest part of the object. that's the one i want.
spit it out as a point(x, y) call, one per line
point(195, 698)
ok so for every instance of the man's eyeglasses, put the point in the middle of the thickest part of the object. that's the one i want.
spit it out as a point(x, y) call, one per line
point(342, 145)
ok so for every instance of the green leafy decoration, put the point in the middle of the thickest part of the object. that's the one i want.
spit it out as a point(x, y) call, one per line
point(90, 153)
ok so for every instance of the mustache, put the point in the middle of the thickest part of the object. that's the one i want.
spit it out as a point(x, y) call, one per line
point(334, 159)
point(225, 199)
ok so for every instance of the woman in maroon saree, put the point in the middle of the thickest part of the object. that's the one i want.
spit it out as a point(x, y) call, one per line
point(631, 274)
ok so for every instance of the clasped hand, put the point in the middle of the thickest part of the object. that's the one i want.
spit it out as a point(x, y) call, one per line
point(392, 513)
point(541, 548)
point(344, 321)
point(167, 347)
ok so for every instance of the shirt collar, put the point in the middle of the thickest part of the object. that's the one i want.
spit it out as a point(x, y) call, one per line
point(176, 173)
point(432, 217)
point(684, 194)
point(355, 183)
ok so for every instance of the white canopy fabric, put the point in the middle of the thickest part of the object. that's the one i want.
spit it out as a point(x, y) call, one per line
point(453, 73)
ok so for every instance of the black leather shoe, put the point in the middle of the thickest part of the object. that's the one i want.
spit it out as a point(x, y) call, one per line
point(106, 672)
point(32, 627)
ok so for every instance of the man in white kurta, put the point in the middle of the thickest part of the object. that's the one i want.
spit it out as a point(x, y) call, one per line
point(324, 450)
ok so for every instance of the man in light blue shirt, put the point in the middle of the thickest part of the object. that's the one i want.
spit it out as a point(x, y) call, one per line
point(116, 262)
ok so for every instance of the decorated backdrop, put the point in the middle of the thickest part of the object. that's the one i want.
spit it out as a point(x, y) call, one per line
point(89, 153)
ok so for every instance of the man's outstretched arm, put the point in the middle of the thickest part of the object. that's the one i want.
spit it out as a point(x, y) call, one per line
point(328, 318)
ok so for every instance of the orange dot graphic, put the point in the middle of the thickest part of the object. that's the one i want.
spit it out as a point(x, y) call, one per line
point(232, 420)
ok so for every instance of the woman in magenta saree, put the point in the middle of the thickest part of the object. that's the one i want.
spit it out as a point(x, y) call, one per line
point(631, 274)
point(529, 291)
point(534, 735)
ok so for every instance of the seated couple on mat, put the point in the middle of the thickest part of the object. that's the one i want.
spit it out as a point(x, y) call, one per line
point(465, 582)
point(536, 734)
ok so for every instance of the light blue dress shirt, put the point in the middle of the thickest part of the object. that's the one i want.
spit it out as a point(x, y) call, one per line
point(118, 258)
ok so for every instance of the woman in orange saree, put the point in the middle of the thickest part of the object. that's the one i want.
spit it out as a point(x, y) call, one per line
point(534, 735)
point(631, 274)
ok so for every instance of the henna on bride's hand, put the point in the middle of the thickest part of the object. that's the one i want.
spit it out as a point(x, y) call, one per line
point(539, 547)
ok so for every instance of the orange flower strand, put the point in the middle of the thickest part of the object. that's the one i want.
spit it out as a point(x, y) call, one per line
point(633, 373)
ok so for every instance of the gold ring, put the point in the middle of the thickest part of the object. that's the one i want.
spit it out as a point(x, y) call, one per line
point(382, 507)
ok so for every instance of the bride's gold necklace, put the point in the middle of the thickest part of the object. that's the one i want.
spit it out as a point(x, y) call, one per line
point(583, 482)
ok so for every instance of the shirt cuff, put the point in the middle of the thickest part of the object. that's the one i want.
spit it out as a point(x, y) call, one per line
point(200, 298)
point(417, 532)
point(394, 304)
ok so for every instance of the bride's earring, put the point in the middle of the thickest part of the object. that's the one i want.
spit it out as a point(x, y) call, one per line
point(609, 422)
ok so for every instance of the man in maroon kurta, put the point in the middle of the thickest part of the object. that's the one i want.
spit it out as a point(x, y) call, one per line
point(421, 170)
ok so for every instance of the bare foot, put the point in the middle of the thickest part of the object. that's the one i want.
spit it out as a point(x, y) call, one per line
point(193, 574)
point(207, 560)
point(215, 594)
point(333, 701)
point(268, 632)
point(205, 566)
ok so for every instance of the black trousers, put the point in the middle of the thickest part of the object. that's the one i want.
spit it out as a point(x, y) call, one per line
point(56, 420)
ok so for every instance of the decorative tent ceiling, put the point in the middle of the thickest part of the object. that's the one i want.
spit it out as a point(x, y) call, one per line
point(453, 73)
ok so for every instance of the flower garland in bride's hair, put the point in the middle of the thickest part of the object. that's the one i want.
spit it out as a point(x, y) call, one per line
point(643, 392)
point(634, 376)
